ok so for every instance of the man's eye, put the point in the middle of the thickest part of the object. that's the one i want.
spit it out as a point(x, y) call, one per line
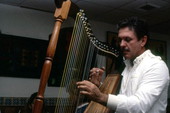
point(127, 39)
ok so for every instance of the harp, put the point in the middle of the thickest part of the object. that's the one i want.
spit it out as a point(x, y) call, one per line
point(82, 49)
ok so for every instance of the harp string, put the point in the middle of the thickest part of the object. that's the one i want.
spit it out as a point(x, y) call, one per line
point(74, 59)
point(61, 102)
point(81, 55)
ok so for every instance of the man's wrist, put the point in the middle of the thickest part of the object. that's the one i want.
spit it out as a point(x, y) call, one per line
point(103, 99)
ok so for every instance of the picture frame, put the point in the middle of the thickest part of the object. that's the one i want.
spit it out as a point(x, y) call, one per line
point(113, 64)
point(21, 56)
point(158, 48)
point(60, 56)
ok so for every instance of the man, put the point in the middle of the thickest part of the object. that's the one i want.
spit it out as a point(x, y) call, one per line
point(144, 86)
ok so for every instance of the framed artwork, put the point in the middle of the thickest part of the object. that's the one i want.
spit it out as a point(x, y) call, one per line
point(21, 56)
point(159, 48)
point(60, 57)
point(113, 64)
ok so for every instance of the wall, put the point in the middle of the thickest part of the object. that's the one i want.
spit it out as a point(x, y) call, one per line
point(36, 24)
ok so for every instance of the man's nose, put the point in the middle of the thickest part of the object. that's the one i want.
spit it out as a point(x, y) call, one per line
point(122, 43)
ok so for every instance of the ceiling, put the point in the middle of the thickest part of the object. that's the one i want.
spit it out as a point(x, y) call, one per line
point(156, 12)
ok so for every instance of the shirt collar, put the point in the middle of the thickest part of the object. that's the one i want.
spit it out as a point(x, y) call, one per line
point(137, 59)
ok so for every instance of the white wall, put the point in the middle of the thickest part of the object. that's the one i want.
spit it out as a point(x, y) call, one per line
point(36, 24)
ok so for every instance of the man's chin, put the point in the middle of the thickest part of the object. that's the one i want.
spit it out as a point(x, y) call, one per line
point(126, 56)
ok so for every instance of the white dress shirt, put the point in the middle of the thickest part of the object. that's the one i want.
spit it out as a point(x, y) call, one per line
point(144, 87)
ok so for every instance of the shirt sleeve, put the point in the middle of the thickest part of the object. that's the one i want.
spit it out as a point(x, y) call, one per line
point(155, 80)
point(113, 104)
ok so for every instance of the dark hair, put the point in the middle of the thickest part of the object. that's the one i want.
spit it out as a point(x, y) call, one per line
point(139, 26)
point(28, 108)
point(32, 97)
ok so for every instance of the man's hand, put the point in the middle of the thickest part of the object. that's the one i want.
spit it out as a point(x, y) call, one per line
point(96, 75)
point(92, 91)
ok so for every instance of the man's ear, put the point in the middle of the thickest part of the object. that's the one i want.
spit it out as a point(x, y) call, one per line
point(144, 40)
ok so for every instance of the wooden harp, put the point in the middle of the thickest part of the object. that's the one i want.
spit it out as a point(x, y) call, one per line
point(83, 47)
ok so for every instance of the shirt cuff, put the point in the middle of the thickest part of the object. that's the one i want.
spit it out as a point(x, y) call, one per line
point(112, 101)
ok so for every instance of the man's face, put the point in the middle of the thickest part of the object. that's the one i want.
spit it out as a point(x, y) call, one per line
point(131, 47)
